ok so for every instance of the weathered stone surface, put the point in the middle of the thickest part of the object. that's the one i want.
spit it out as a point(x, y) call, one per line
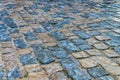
point(20, 43)
point(106, 78)
point(52, 68)
point(81, 54)
point(69, 46)
point(30, 36)
point(101, 46)
point(26, 59)
point(88, 62)
point(38, 76)
point(97, 72)
point(94, 52)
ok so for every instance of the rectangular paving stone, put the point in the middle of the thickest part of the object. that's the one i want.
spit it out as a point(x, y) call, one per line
point(4, 36)
point(82, 34)
point(102, 37)
point(100, 46)
point(97, 72)
point(111, 53)
point(58, 36)
point(30, 36)
point(87, 63)
point(69, 46)
point(20, 43)
point(81, 54)
point(106, 78)
point(94, 52)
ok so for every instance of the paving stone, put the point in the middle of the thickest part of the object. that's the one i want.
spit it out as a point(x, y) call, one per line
point(80, 54)
point(34, 68)
point(69, 46)
point(59, 76)
point(57, 35)
point(85, 47)
point(23, 51)
point(4, 36)
point(20, 43)
point(117, 49)
point(30, 36)
point(92, 41)
point(13, 74)
point(26, 59)
point(45, 37)
point(38, 76)
point(111, 53)
point(106, 78)
point(88, 62)
point(6, 45)
point(78, 42)
point(59, 52)
point(82, 34)
point(52, 68)
point(68, 63)
point(101, 46)
point(94, 33)
point(44, 57)
point(97, 72)
point(1, 75)
point(77, 74)
point(102, 37)
point(113, 43)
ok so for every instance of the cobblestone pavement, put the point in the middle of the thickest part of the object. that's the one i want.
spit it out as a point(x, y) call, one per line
point(60, 40)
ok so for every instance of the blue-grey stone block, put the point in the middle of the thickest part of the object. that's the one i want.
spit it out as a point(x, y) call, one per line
point(97, 72)
point(20, 43)
point(30, 36)
point(26, 59)
point(57, 35)
point(69, 46)
point(106, 78)
point(82, 34)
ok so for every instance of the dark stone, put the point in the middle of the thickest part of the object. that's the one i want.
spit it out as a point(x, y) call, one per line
point(97, 72)
point(117, 49)
point(1, 75)
point(13, 74)
point(94, 33)
point(20, 43)
point(39, 30)
point(44, 57)
point(30, 36)
point(78, 42)
point(69, 46)
point(106, 78)
point(2, 26)
point(85, 47)
point(57, 35)
point(26, 59)
point(82, 34)
point(4, 36)
point(59, 52)
point(113, 43)
point(74, 11)
point(13, 30)
point(4, 13)
point(68, 63)
point(77, 74)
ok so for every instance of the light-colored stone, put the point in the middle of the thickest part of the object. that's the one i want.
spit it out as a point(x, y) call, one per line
point(33, 68)
point(45, 37)
point(102, 37)
point(101, 46)
point(110, 53)
point(52, 68)
point(92, 41)
point(24, 51)
point(37, 76)
point(93, 52)
point(81, 54)
point(87, 62)
point(50, 44)
point(6, 45)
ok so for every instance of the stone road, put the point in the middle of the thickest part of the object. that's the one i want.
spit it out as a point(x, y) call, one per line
point(60, 40)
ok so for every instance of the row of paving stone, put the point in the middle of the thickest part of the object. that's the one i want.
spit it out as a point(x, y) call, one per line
point(60, 40)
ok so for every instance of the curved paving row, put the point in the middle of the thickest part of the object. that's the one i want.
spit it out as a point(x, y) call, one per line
point(60, 40)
